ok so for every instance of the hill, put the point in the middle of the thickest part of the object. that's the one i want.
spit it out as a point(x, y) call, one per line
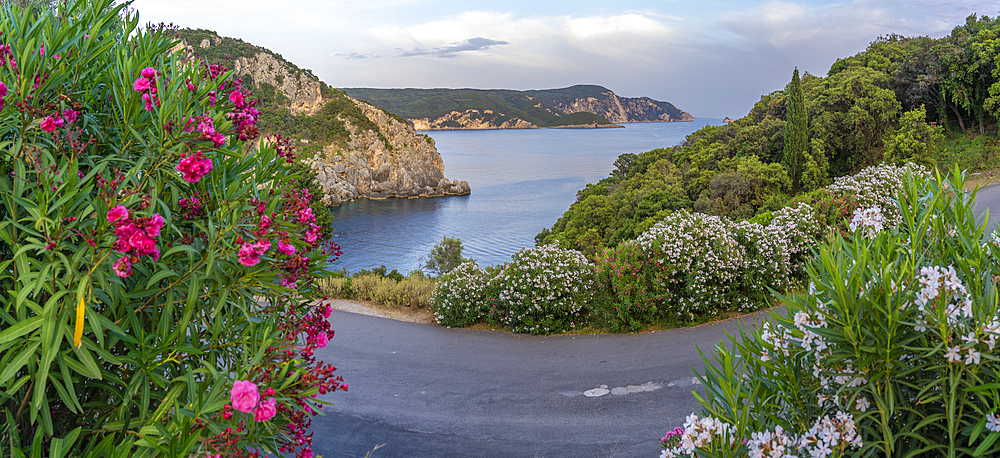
point(934, 102)
point(431, 109)
point(352, 148)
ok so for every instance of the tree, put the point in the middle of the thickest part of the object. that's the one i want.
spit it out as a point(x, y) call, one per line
point(445, 256)
point(915, 141)
point(796, 132)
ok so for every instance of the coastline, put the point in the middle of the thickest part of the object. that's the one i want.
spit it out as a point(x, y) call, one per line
point(575, 126)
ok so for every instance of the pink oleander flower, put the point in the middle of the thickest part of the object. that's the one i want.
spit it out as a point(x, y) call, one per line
point(262, 245)
point(321, 340)
point(69, 115)
point(50, 124)
point(244, 395)
point(286, 248)
point(218, 140)
point(154, 225)
point(147, 102)
point(237, 98)
point(266, 410)
point(248, 255)
point(306, 215)
point(206, 126)
point(194, 167)
point(141, 85)
point(265, 222)
point(3, 93)
point(326, 311)
point(117, 213)
point(123, 267)
point(149, 72)
point(312, 234)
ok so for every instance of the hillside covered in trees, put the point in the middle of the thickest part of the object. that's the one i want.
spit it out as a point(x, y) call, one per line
point(503, 108)
point(929, 101)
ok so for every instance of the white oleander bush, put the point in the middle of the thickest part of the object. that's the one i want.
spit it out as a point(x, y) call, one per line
point(891, 351)
point(877, 186)
point(460, 296)
point(542, 290)
point(692, 265)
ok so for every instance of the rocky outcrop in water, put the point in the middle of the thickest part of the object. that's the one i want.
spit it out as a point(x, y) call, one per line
point(471, 119)
point(404, 164)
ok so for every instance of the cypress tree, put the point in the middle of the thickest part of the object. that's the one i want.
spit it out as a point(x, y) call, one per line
point(796, 153)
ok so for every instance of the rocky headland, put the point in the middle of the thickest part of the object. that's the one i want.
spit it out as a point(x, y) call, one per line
point(365, 151)
point(400, 163)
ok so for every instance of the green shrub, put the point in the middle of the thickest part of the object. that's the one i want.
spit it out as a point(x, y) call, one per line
point(895, 337)
point(336, 287)
point(363, 287)
point(416, 291)
point(685, 265)
point(445, 256)
point(542, 290)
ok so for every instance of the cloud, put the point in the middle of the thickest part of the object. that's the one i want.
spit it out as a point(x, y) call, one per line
point(357, 56)
point(472, 44)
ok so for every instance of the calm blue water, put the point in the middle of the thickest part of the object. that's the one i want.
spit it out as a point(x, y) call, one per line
point(522, 181)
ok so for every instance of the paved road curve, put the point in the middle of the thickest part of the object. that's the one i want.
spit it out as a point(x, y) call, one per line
point(988, 197)
point(426, 390)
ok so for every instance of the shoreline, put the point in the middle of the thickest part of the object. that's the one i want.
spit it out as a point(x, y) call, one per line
point(577, 126)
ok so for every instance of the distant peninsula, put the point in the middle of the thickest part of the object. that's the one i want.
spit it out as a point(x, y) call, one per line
point(580, 106)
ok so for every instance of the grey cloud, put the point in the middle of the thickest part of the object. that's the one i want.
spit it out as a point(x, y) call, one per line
point(472, 44)
point(357, 56)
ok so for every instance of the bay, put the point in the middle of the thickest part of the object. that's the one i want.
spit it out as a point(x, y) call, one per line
point(522, 181)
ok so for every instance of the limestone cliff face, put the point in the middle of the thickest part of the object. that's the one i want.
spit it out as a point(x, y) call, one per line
point(471, 119)
point(304, 92)
point(405, 164)
point(622, 109)
point(302, 89)
point(380, 159)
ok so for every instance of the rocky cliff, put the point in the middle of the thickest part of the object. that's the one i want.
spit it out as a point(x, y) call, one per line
point(355, 148)
point(624, 109)
point(433, 109)
point(401, 164)
point(471, 119)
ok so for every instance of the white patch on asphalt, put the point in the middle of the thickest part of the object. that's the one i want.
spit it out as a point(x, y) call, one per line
point(617, 391)
point(687, 381)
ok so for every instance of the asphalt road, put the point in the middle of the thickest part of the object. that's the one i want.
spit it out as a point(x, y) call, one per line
point(428, 391)
point(988, 197)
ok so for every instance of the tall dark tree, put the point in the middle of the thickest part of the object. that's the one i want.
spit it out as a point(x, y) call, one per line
point(796, 132)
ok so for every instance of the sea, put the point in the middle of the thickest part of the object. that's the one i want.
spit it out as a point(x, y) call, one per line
point(522, 181)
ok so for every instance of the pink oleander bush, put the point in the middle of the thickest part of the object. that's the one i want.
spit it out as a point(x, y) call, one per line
point(890, 351)
point(158, 268)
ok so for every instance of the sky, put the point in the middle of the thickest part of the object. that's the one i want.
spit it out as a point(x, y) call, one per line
point(710, 58)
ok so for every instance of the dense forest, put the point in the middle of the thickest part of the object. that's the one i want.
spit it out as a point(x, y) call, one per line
point(928, 101)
